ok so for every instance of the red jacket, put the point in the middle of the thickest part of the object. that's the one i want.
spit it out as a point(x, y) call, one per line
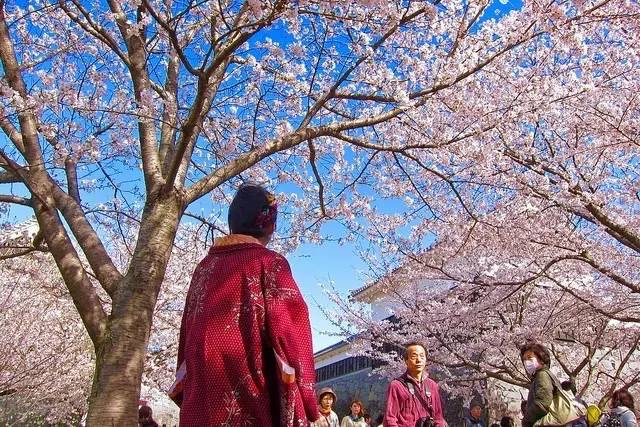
point(405, 408)
point(243, 305)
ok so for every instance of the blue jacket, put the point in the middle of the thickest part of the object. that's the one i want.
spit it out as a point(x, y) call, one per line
point(626, 415)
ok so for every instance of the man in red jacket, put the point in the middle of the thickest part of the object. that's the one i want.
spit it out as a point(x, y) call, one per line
point(414, 398)
point(245, 337)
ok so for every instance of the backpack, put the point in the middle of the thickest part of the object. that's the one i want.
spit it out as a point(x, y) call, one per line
point(612, 420)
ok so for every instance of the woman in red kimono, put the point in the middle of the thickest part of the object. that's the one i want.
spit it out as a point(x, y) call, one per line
point(245, 337)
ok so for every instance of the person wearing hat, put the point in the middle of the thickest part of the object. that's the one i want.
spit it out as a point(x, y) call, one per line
point(327, 398)
point(245, 341)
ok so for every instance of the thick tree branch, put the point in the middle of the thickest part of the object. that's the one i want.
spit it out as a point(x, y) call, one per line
point(41, 187)
point(169, 114)
point(75, 277)
point(9, 177)
point(97, 256)
point(72, 179)
point(16, 200)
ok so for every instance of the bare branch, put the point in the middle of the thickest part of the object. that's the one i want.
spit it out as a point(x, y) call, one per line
point(173, 37)
point(330, 93)
point(9, 177)
point(92, 28)
point(312, 160)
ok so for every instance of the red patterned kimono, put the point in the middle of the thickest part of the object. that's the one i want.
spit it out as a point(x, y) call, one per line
point(243, 305)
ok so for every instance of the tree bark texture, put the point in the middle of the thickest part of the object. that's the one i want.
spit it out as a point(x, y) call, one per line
point(121, 355)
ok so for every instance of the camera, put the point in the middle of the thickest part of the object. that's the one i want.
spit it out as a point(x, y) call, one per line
point(425, 422)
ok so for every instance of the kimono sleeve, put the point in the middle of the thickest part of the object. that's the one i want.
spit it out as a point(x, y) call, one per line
point(288, 329)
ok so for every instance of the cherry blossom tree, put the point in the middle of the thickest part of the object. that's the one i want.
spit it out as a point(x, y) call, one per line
point(46, 358)
point(136, 110)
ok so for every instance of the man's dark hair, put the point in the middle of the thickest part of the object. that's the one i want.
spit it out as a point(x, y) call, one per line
point(622, 397)
point(568, 385)
point(507, 422)
point(539, 350)
point(252, 211)
point(405, 356)
point(145, 413)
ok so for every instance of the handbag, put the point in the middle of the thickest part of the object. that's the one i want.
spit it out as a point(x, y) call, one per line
point(562, 409)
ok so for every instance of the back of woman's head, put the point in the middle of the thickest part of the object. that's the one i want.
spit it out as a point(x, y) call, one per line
point(622, 397)
point(253, 211)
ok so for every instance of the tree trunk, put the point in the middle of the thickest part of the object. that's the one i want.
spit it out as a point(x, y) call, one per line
point(121, 355)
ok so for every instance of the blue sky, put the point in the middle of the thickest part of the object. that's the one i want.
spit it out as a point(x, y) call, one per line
point(313, 265)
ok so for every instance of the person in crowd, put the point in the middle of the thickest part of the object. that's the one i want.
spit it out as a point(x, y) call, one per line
point(379, 421)
point(367, 419)
point(495, 425)
point(145, 417)
point(355, 417)
point(537, 360)
point(622, 412)
point(507, 421)
point(327, 398)
point(475, 416)
point(414, 396)
point(262, 373)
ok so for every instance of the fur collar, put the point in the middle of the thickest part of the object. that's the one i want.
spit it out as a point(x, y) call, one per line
point(235, 239)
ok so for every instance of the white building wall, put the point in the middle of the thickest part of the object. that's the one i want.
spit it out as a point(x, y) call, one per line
point(338, 356)
point(381, 309)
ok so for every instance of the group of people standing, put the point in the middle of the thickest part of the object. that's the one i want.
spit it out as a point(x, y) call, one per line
point(245, 356)
point(545, 391)
point(328, 418)
point(413, 399)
